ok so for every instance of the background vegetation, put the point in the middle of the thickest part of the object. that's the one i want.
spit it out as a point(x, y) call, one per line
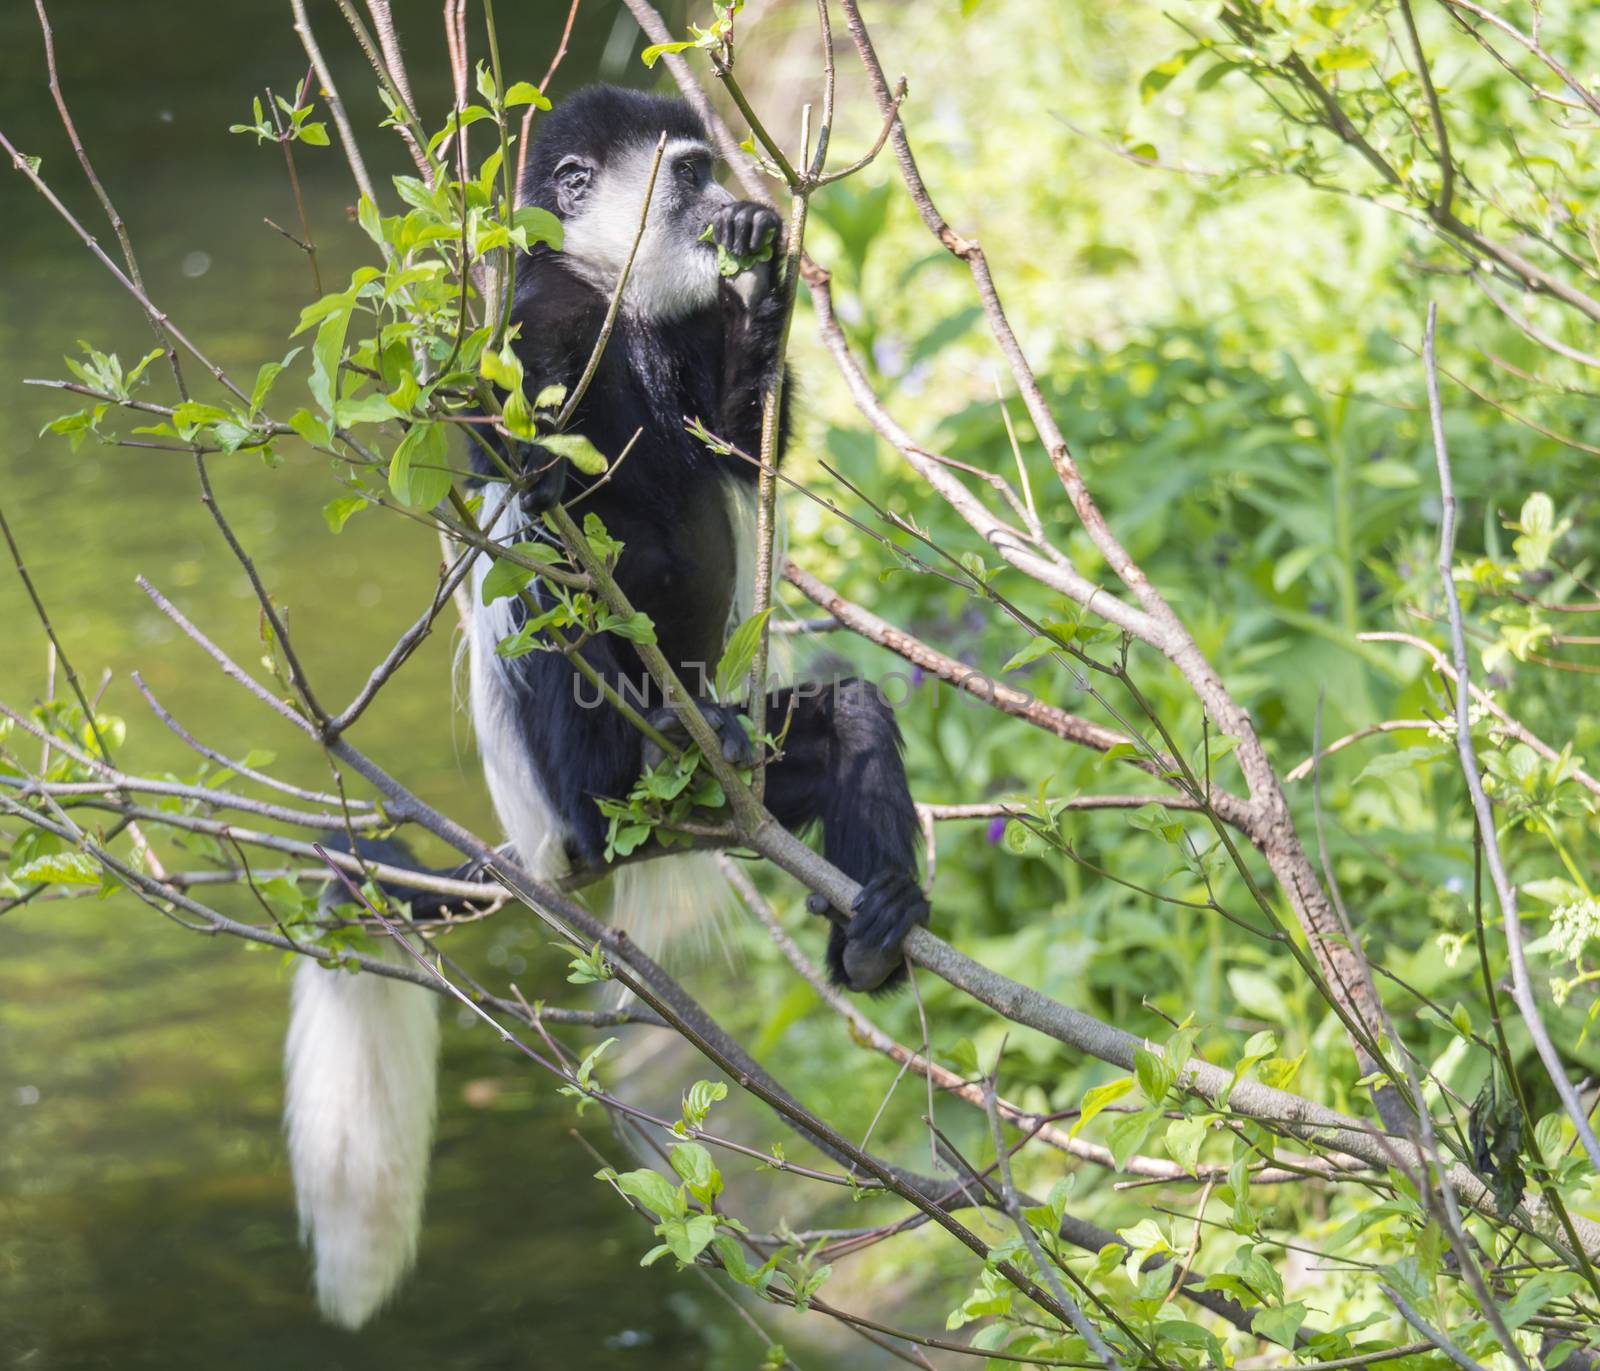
point(1221, 279)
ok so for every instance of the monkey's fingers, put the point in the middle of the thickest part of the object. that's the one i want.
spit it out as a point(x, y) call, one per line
point(889, 905)
point(743, 229)
point(728, 723)
point(737, 748)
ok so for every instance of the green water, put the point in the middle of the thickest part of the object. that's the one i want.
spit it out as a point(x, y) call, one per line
point(145, 1210)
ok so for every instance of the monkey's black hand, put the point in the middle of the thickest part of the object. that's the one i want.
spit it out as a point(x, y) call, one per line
point(743, 229)
point(736, 745)
point(546, 472)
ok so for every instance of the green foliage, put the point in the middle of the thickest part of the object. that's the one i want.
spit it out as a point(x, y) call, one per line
point(1231, 355)
point(300, 128)
point(715, 37)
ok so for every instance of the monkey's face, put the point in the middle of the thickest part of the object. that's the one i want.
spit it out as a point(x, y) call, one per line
point(600, 199)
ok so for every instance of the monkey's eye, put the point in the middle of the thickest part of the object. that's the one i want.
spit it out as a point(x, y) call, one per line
point(693, 170)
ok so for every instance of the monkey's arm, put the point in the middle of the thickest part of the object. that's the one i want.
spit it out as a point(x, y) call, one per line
point(752, 324)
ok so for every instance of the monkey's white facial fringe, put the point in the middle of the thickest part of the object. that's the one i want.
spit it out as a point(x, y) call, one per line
point(360, 1064)
point(673, 273)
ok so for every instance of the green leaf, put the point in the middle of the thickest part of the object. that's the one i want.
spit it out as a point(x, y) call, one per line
point(691, 1161)
point(699, 1098)
point(317, 432)
point(1538, 515)
point(739, 655)
point(1154, 1075)
point(504, 578)
point(486, 87)
point(1279, 1323)
point(1030, 651)
point(1292, 565)
point(1160, 76)
point(525, 93)
point(530, 225)
point(1388, 763)
point(364, 409)
point(1183, 1140)
point(326, 353)
point(1096, 1099)
point(1343, 59)
point(516, 415)
point(368, 217)
point(656, 50)
point(336, 513)
point(360, 280)
point(417, 472)
point(1388, 474)
point(651, 1189)
point(502, 368)
point(578, 450)
point(265, 376)
point(1127, 1134)
point(1145, 1240)
point(688, 1238)
point(589, 968)
point(1258, 1047)
point(1258, 993)
point(637, 627)
point(732, 263)
point(1187, 1334)
point(403, 398)
point(1213, 74)
point(59, 868)
point(1538, 1292)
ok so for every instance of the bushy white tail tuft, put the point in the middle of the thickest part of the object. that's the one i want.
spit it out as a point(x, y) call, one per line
point(679, 901)
point(360, 1061)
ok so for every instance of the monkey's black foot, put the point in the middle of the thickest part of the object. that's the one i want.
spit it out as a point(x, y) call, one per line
point(744, 228)
point(728, 722)
point(865, 955)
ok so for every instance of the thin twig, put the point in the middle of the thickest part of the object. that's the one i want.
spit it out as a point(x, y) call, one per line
point(1521, 987)
point(608, 323)
point(330, 93)
point(1432, 1334)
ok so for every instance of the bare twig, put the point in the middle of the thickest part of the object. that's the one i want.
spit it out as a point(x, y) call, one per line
point(609, 322)
point(1432, 1334)
point(1521, 987)
point(544, 86)
point(1008, 1201)
point(330, 93)
point(1304, 769)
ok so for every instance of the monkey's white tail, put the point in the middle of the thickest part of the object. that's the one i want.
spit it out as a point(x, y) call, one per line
point(672, 901)
point(360, 1062)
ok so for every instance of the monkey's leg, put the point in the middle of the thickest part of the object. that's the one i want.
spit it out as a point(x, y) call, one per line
point(841, 767)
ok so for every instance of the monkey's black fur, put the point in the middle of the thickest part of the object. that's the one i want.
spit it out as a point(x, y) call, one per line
point(713, 356)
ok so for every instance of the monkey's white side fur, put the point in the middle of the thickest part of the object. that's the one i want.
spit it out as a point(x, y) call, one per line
point(361, 1065)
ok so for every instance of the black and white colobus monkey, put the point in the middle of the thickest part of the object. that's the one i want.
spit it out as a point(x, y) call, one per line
point(688, 344)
